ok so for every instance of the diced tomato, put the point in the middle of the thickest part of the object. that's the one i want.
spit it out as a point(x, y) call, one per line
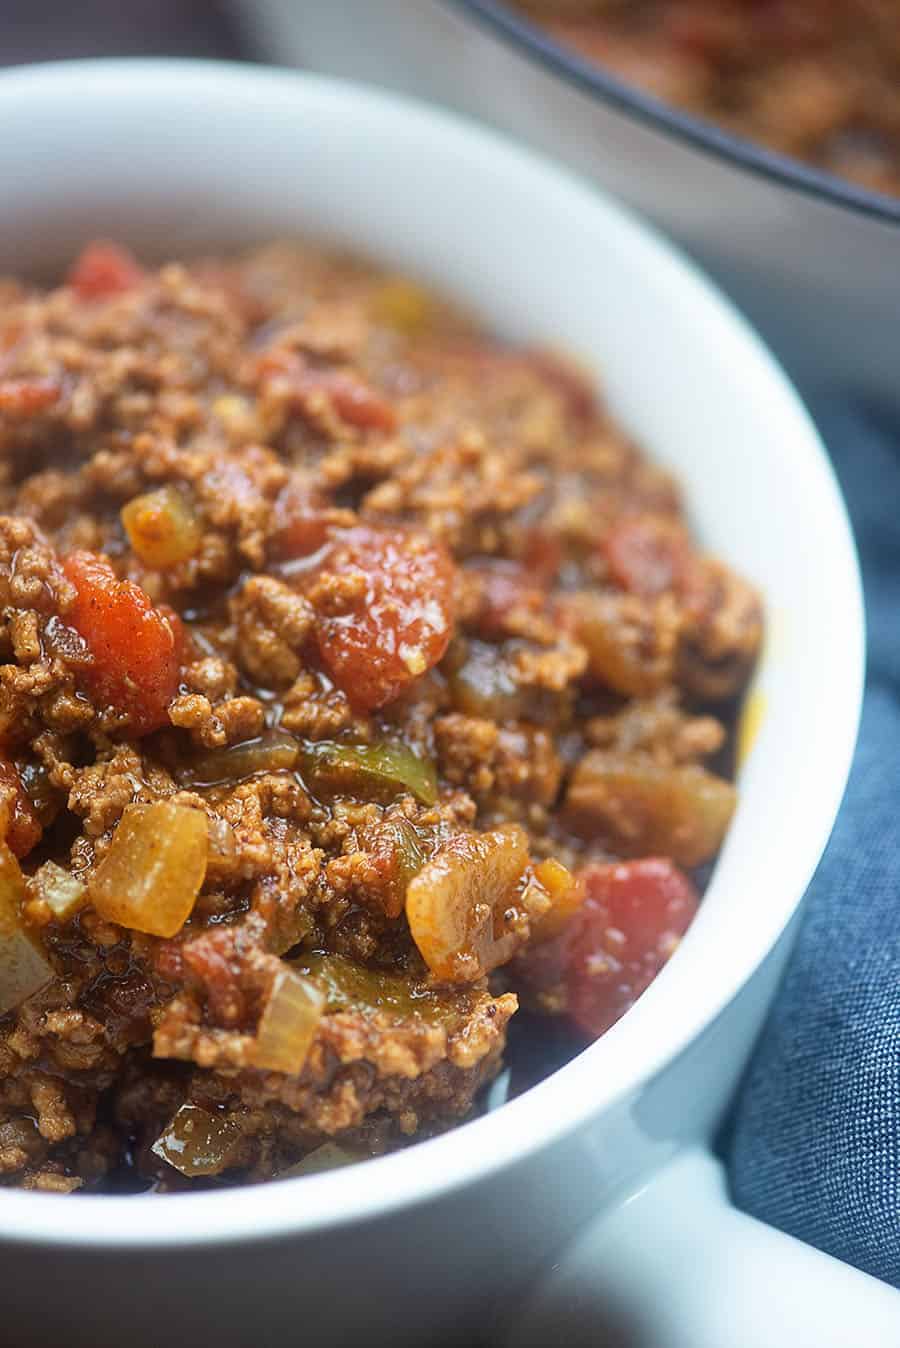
point(10, 334)
point(347, 394)
point(103, 269)
point(299, 525)
point(543, 555)
point(135, 647)
point(504, 587)
point(23, 398)
point(23, 828)
point(354, 401)
point(630, 923)
point(168, 959)
point(214, 959)
point(384, 601)
point(646, 554)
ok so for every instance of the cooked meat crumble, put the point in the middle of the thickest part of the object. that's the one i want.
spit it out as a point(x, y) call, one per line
point(358, 675)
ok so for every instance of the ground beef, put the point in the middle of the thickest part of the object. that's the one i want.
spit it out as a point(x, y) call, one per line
point(814, 79)
point(334, 637)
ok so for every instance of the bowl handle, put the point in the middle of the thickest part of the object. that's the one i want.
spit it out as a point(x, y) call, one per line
point(677, 1266)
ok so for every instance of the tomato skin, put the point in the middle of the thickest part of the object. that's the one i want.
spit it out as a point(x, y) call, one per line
point(355, 402)
point(136, 648)
point(345, 392)
point(384, 602)
point(505, 588)
point(299, 523)
point(543, 556)
point(646, 554)
point(23, 828)
point(23, 398)
point(103, 269)
point(630, 923)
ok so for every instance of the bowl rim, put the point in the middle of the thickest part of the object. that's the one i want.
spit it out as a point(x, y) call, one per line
point(577, 1092)
point(516, 31)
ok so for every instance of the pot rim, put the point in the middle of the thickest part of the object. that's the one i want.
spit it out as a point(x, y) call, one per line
point(589, 78)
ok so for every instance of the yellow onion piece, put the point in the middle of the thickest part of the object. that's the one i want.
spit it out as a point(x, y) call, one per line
point(236, 416)
point(381, 770)
point(162, 527)
point(566, 897)
point(23, 968)
point(197, 1142)
point(60, 889)
point(643, 808)
point(150, 877)
point(631, 642)
point(222, 848)
point(329, 1156)
point(461, 907)
point(266, 753)
point(403, 305)
point(288, 1024)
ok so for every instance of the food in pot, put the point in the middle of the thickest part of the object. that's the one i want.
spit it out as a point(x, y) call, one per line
point(360, 681)
point(815, 79)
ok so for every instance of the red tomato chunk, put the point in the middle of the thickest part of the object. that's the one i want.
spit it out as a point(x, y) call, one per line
point(300, 524)
point(311, 390)
point(23, 829)
point(385, 611)
point(629, 924)
point(22, 398)
point(505, 588)
point(646, 554)
point(136, 648)
point(355, 402)
point(102, 270)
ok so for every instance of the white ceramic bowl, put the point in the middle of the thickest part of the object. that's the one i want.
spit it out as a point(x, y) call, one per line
point(174, 157)
point(813, 260)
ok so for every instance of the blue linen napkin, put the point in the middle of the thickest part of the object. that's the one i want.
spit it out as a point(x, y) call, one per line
point(813, 1144)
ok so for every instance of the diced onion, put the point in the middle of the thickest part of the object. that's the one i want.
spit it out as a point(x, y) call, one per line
point(23, 968)
point(150, 877)
point(643, 808)
point(162, 527)
point(403, 305)
point(329, 1156)
point(376, 769)
point(566, 897)
point(628, 650)
point(458, 903)
point(221, 840)
point(197, 1142)
point(62, 891)
point(288, 1024)
point(235, 414)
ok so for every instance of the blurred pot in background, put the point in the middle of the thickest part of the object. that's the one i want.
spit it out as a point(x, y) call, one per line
point(811, 258)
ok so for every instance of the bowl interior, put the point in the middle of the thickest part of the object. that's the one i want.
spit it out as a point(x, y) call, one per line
point(179, 157)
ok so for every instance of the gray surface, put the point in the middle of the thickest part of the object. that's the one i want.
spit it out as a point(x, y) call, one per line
point(57, 31)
